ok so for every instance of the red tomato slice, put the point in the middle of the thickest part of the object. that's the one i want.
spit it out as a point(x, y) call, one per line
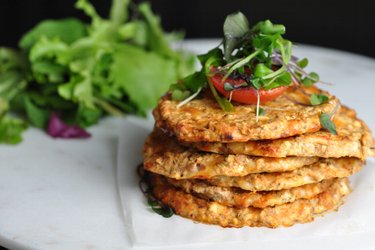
point(246, 95)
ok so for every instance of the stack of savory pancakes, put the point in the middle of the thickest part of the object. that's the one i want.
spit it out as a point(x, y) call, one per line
point(229, 169)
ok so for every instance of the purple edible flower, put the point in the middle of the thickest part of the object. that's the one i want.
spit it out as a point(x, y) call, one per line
point(58, 129)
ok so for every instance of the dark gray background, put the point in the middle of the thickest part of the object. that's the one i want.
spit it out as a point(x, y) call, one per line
point(345, 25)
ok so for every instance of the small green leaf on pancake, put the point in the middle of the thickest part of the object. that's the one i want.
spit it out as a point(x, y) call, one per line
point(325, 121)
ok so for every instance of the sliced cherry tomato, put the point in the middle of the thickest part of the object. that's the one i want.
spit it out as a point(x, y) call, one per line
point(245, 95)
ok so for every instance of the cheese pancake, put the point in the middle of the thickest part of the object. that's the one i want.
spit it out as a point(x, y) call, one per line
point(299, 211)
point(164, 155)
point(203, 119)
point(321, 170)
point(235, 197)
point(354, 139)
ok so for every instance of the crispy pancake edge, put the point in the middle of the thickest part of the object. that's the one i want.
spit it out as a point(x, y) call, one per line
point(163, 155)
point(203, 120)
point(322, 170)
point(300, 211)
point(354, 139)
point(235, 197)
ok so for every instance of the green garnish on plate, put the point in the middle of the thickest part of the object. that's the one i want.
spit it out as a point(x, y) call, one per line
point(258, 55)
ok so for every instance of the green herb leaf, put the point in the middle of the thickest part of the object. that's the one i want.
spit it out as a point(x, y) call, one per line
point(209, 63)
point(236, 25)
point(284, 79)
point(303, 63)
point(256, 82)
point(228, 87)
point(242, 62)
point(285, 47)
point(215, 56)
point(317, 99)
point(179, 95)
point(241, 70)
point(11, 130)
point(268, 28)
point(194, 81)
point(262, 111)
point(86, 117)
point(261, 70)
point(164, 211)
point(223, 103)
point(325, 121)
point(236, 28)
point(37, 116)
point(160, 208)
point(311, 79)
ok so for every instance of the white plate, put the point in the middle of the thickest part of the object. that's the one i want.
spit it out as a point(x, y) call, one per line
point(61, 194)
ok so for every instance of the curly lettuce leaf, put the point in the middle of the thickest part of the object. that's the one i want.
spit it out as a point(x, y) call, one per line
point(68, 30)
point(11, 130)
point(131, 72)
point(119, 12)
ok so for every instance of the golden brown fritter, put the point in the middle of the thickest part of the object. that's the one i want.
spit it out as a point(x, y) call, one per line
point(321, 170)
point(235, 197)
point(164, 155)
point(354, 139)
point(203, 120)
point(299, 211)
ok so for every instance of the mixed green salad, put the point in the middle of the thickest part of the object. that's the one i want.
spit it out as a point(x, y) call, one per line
point(66, 74)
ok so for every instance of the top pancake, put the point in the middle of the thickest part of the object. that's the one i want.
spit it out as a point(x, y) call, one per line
point(203, 120)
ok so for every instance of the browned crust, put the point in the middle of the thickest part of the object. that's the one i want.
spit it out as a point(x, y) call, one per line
point(368, 141)
point(322, 170)
point(300, 211)
point(203, 120)
point(354, 139)
point(164, 155)
point(235, 197)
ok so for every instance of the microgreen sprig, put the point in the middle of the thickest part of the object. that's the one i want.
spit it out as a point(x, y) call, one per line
point(317, 99)
point(224, 103)
point(152, 202)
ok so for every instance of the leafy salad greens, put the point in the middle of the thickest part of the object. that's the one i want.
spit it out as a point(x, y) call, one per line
point(81, 72)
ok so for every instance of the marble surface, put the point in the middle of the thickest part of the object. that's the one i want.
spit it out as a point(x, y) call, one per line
point(63, 194)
